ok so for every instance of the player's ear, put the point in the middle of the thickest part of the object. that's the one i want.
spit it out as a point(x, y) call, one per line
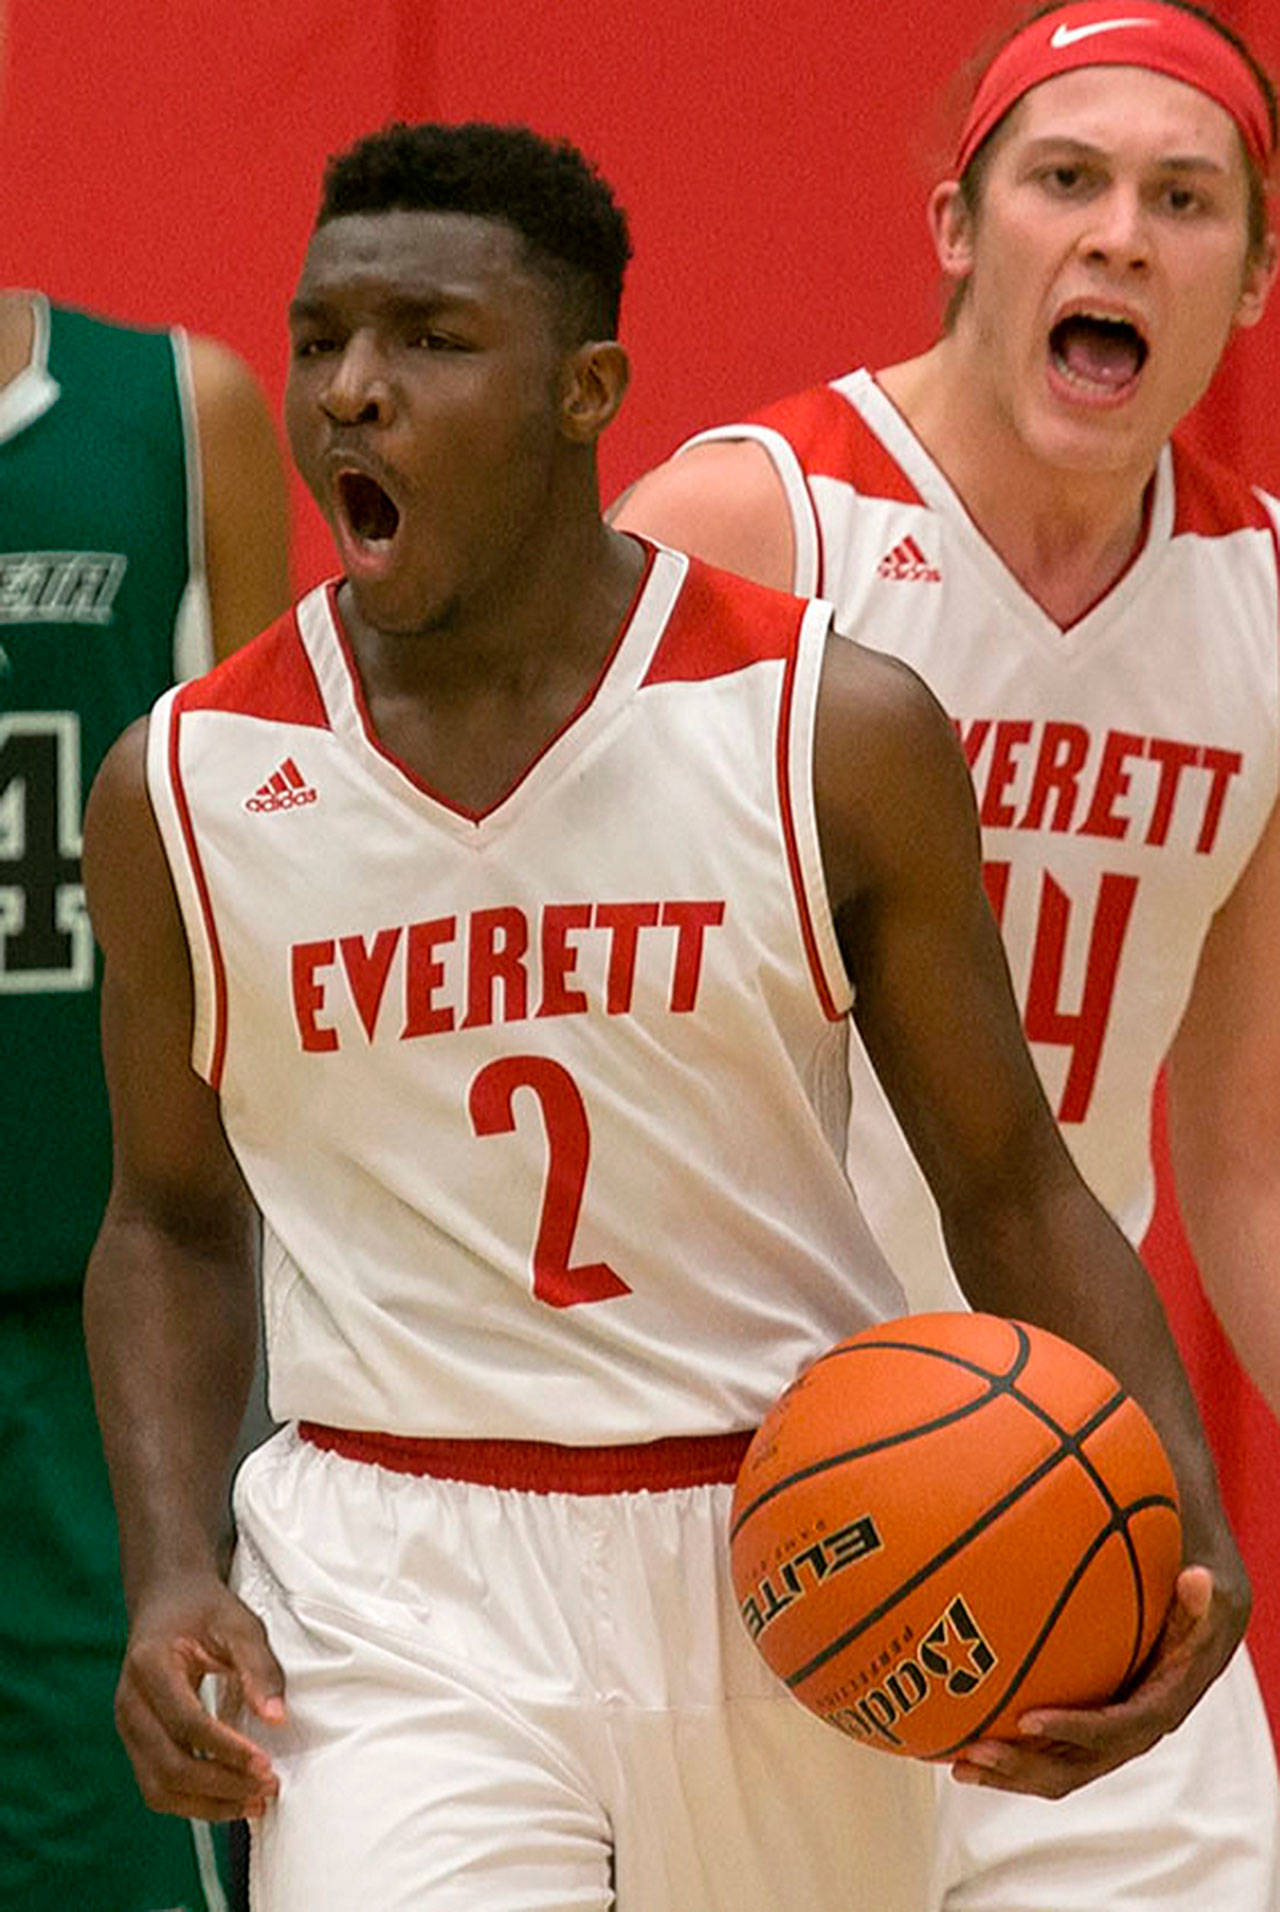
point(594, 380)
point(1259, 277)
point(951, 228)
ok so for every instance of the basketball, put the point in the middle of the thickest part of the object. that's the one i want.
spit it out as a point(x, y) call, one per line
point(948, 1520)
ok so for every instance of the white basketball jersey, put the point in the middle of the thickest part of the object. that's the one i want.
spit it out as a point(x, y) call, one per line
point(1124, 768)
point(544, 1106)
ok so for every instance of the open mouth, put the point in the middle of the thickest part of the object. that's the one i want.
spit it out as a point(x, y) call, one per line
point(372, 516)
point(1097, 353)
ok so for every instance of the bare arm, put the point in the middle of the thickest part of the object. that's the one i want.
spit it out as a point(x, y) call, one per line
point(1224, 1116)
point(170, 1323)
point(722, 501)
point(1026, 1238)
point(246, 510)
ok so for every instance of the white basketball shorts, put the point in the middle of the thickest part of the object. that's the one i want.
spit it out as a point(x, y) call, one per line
point(503, 1701)
point(1189, 1827)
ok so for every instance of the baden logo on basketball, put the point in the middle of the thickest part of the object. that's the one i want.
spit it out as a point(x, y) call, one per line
point(953, 1657)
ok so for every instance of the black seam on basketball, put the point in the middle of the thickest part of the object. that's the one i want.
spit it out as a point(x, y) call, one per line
point(1118, 1523)
point(854, 1454)
point(990, 1514)
point(1074, 1443)
point(1139, 1596)
point(997, 1383)
point(967, 1362)
point(1051, 1620)
point(1101, 1413)
point(1139, 1585)
point(1120, 1515)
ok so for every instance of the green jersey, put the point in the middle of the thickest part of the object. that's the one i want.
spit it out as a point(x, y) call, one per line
point(101, 605)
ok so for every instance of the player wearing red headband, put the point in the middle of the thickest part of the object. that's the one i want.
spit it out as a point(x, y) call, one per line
point(1012, 513)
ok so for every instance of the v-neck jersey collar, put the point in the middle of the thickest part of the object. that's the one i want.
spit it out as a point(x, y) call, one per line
point(887, 422)
point(327, 646)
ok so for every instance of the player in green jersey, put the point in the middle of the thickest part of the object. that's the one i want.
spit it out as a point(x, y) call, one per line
point(142, 527)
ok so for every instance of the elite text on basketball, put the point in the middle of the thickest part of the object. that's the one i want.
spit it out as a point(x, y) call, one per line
point(810, 1565)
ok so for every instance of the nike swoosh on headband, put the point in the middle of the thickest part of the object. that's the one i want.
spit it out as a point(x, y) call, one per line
point(1065, 36)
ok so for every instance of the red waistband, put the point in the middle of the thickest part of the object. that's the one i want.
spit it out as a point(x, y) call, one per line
point(545, 1467)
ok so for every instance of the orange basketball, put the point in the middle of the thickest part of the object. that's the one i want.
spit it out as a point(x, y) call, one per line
point(948, 1520)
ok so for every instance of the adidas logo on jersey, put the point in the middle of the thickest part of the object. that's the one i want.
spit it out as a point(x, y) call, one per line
point(285, 789)
point(907, 563)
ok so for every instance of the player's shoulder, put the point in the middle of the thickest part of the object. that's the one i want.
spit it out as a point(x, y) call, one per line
point(123, 374)
point(891, 789)
point(822, 415)
point(1213, 499)
point(824, 425)
point(720, 499)
point(270, 677)
point(222, 383)
point(831, 430)
point(107, 331)
point(880, 701)
point(721, 622)
point(881, 732)
point(734, 492)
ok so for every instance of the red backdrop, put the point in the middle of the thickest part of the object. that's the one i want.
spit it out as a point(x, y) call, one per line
point(165, 167)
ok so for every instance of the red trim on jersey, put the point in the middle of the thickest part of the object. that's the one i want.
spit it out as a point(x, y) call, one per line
point(545, 1467)
point(420, 783)
point(271, 677)
point(1274, 531)
point(831, 439)
point(721, 624)
point(810, 941)
point(202, 891)
point(1211, 499)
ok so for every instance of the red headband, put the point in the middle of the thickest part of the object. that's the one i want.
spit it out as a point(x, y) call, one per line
point(1121, 33)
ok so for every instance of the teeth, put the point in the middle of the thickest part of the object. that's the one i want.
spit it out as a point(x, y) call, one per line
point(1103, 317)
point(1076, 378)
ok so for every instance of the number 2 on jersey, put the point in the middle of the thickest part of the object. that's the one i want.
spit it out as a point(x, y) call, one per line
point(491, 1104)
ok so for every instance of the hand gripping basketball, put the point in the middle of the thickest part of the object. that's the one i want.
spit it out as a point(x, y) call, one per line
point(948, 1520)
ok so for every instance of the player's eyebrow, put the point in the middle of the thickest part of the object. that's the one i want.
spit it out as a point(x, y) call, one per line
point(418, 302)
point(426, 302)
point(1057, 145)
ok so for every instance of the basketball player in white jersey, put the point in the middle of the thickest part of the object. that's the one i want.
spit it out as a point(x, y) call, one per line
point(1096, 608)
point(492, 924)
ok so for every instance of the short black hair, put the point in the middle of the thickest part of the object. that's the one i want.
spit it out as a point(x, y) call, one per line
point(574, 232)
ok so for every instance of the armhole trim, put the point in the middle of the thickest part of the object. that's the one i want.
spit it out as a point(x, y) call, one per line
point(796, 724)
point(806, 574)
point(173, 819)
point(1272, 508)
point(193, 652)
